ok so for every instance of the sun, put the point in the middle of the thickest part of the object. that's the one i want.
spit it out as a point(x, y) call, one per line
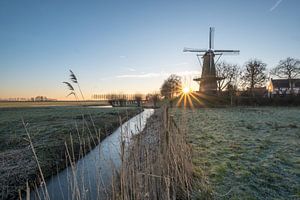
point(186, 90)
point(188, 97)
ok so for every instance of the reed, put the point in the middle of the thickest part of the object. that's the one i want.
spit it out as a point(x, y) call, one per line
point(85, 139)
point(157, 164)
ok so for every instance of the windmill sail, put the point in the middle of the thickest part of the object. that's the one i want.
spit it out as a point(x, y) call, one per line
point(211, 37)
point(208, 80)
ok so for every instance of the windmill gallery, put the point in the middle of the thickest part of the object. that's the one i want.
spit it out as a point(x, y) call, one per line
point(208, 79)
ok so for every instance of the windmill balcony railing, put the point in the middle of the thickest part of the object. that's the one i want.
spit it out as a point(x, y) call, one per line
point(199, 78)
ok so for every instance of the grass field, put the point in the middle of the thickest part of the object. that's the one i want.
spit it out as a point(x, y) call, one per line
point(22, 104)
point(244, 153)
point(49, 128)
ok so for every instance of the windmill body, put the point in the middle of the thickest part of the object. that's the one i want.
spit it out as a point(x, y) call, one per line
point(208, 79)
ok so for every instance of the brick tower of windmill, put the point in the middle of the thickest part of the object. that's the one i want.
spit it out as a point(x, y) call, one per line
point(208, 79)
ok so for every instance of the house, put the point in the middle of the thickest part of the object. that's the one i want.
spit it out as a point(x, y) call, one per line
point(283, 87)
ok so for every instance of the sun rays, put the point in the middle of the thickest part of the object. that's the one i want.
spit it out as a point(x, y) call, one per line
point(188, 98)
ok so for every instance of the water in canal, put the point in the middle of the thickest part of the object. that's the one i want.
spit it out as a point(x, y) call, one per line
point(93, 173)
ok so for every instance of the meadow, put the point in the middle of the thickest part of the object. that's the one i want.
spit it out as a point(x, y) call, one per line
point(244, 152)
point(24, 104)
point(52, 129)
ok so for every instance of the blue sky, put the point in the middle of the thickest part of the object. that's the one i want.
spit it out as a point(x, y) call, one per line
point(132, 46)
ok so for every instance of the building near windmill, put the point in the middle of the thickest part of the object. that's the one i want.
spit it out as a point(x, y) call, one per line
point(208, 79)
point(283, 87)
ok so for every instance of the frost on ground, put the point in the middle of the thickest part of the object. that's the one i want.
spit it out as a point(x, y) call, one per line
point(81, 128)
point(245, 152)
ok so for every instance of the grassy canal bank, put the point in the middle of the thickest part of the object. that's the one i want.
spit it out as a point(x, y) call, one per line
point(30, 104)
point(244, 152)
point(207, 153)
point(157, 164)
point(49, 127)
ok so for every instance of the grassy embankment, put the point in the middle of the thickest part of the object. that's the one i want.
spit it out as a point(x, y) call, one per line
point(157, 164)
point(25, 104)
point(49, 127)
point(244, 153)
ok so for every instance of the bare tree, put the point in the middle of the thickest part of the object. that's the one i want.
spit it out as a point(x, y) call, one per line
point(138, 98)
point(171, 86)
point(229, 74)
point(288, 68)
point(154, 98)
point(254, 74)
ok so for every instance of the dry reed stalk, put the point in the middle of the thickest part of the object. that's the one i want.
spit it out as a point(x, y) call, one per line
point(37, 161)
point(85, 143)
point(76, 193)
point(158, 162)
point(27, 191)
point(20, 194)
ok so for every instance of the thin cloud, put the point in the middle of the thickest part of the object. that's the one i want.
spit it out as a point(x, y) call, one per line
point(123, 57)
point(187, 73)
point(160, 74)
point(147, 75)
point(130, 69)
point(176, 64)
point(275, 5)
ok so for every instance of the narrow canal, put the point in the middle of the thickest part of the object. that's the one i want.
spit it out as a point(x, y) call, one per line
point(92, 175)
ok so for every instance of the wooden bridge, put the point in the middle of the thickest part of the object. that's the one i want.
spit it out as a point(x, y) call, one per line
point(126, 103)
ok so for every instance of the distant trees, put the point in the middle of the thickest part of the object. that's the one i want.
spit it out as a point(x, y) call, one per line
point(254, 74)
point(171, 86)
point(252, 78)
point(40, 98)
point(154, 98)
point(138, 98)
point(229, 74)
point(288, 68)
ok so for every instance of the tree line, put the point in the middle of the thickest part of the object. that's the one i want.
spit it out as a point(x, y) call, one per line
point(233, 77)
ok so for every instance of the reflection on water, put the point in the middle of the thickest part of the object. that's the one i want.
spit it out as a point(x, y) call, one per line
point(94, 172)
point(107, 106)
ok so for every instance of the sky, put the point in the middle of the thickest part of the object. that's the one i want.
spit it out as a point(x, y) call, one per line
point(132, 46)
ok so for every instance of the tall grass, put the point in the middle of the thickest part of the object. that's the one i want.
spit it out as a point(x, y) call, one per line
point(44, 186)
point(157, 164)
point(85, 145)
point(76, 183)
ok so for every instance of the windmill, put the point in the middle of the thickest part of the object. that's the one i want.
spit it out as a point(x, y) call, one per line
point(208, 79)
